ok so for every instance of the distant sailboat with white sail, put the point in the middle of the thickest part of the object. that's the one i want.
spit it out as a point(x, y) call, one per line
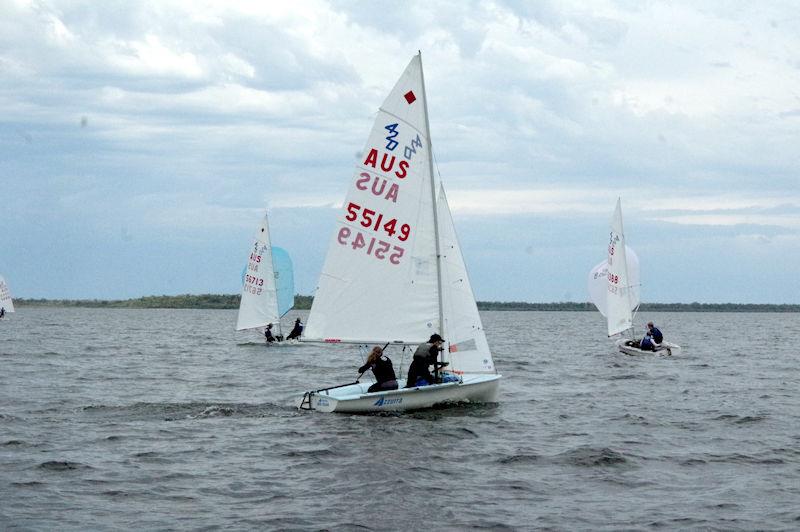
point(394, 273)
point(267, 284)
point(6, 303)
point(614, 288)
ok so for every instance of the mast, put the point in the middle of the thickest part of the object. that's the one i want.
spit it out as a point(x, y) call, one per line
point(433, 198)
point(625, 263)
point(274, 281)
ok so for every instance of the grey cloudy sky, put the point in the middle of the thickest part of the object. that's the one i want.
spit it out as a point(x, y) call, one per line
point(140, 142)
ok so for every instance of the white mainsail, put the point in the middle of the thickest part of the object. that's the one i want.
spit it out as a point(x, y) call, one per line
point(469, 350)
point(5, 296)
point(379, 282)
point(394, 271)
point(619, 311)
point(259, 304)
point(599, 285)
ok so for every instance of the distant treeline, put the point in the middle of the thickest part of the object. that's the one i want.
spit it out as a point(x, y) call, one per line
point(202, 301)
point(231, 301)
point(212, 301)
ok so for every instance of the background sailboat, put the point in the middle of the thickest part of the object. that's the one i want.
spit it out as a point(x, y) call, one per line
point(614, 287)
point(614, 284)
point(6, 302)
point(599, 292)
point(267, 284)
point(394, 272)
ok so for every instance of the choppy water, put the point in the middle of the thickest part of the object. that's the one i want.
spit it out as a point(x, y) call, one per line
point(167, 419)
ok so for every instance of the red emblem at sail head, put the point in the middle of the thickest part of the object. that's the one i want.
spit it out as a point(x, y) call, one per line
point(410, 97)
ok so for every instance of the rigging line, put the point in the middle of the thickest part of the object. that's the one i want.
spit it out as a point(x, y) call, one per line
point(434, 203)
point(447, 356)
point(402, 359)
point(436, 163)
point(362, 352)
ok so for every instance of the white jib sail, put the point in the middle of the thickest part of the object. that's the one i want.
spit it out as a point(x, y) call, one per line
point(469, 350)
point(618, 298)
point(598, 282)
point(379, 280)
point(5, 296)
point(259, 304)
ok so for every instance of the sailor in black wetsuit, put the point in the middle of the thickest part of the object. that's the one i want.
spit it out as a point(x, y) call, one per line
point(427, 354)
point(296, 331)
point(268, 334)
point(381, 367)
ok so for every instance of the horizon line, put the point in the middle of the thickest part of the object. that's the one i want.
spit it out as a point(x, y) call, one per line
point(23, 301)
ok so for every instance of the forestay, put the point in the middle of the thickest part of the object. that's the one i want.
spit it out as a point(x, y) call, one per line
point(265, 287)
point(379, 280)
point(469, 350)
point(5, 296)
point(599, 285)
point(618, 298)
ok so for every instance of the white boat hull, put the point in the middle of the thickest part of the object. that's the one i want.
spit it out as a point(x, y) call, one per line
point(665, 349)
point(354, 399)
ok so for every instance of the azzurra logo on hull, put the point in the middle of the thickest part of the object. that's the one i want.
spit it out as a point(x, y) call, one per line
point(383, 401)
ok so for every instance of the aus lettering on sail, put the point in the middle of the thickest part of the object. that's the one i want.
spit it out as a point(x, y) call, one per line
point(381, 230)
point(389, 167)
point(253, 282)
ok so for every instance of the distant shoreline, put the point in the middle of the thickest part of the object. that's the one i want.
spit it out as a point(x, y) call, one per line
point(231, 301)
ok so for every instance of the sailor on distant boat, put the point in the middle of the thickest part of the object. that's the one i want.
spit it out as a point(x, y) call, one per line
point(296, 331)
point(268, 334)
point(381, 367)
point(655, 333)
point(647, 343)
point(427, 354)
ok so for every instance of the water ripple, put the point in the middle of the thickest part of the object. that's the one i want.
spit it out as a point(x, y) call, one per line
point(168, 419)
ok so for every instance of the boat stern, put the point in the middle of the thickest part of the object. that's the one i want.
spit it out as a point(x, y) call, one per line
point(315, 401)
point(354, 398)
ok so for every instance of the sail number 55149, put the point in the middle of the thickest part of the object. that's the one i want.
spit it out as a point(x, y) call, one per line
point(374, 220)
point(374, 247)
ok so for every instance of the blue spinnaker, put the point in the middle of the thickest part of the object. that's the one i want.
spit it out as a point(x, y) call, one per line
point(284, 279)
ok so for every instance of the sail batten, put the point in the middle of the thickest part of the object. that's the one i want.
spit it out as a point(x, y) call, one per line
point(404, 121)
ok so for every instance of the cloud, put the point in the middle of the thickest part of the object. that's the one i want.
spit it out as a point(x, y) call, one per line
point(187, 119)
point(734, 219)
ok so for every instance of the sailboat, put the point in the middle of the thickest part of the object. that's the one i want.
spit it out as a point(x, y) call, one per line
point(614, 288)
point(267, 284)
point(394, 273)
point(6, 304)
